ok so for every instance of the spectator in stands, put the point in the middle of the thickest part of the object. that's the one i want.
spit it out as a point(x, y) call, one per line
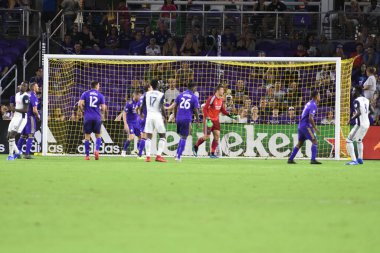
point(86, 38)
point(164, 72)
point(263, 107)
point(240, 94)
point(274, 119)
point(292, 96)
point(301, 51)
point(184, 75)
point(352, 17)
point(162, 34)
point(147, 34)
point(247, 104)
point(246, 42)
point(339, 52)
point(230, 104)
point(124, 17)
point(291, 74)
point(6, 113)
point(228, 40)
point(269, 21)
point(138, 46)
point(57, 115)
point(329, 119)
point(112, 40)
point(269, 94)
point(365, 38)
point(38, 78)
point(67, 45)
point(261, 53)
point(255, 116)
point(290, 118)
point(153, 49)
point(257, 19)
point(151, 73)
point(359, 77)
point(372, 17)
point(168, 14)
point(170, 48)
point(272, 103)
point(198, 39)
point(76, 114)
point(242, 116)
point(371, 58)
point(189, 47)
point(172, 93)
point(325, 76)
point(325, 47)
point(70, 9)
point(77, 48)
point(278, 92)
point(211, 40)
point(359, 50)
point(369, 87)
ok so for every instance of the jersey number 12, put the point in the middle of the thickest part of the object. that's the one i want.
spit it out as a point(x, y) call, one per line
point(93, 101)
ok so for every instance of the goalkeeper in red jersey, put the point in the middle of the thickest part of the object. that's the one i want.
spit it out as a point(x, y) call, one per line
point(214, 105)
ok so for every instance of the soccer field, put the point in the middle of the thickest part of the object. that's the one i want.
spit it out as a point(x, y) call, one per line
point(66, 204)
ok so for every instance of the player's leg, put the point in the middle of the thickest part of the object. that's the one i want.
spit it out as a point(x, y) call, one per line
point(22, 140)
point(160, 126)
point(205, 137)
point(314, 151)
point(12, 144)
point(97, 125)
point(215, 142)
point(149, 128)
point(183, 129)
point(30, 130)
point(301, 140)
point(359, 144)
point(130, 138)
point(18, 129)
point(142, 140)
point(87, 128)
point(350, 145)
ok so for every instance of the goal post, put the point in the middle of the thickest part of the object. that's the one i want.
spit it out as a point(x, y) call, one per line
point(267, 93)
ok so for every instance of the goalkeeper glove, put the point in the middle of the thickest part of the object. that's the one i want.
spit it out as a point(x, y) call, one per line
point(233, 116)
point(208, 122)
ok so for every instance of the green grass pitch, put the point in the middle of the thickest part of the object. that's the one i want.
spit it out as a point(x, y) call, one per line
point(66, 204)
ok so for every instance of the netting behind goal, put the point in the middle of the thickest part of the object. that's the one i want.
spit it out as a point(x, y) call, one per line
point(268, 96)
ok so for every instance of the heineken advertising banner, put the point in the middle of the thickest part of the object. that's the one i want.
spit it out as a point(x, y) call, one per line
point(236, 140)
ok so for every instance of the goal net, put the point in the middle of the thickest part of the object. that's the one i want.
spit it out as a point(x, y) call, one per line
point(267, 94)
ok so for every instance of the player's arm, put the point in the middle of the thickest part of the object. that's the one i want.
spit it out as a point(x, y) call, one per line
point(143, 107)
point(126, 127)
point(26, 102)
point(172, 106)
point(312, 122)
point(162, 105)
point(103, 107)
point(207, 107)
point(175, 109)
point(225, 112)
point(357, 111)
point(35, 110)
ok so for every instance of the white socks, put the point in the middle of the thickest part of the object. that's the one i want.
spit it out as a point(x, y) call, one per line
point(161, 146)
point(351, 150)
point(148, 145)
point(12, 146)
point(360, 150)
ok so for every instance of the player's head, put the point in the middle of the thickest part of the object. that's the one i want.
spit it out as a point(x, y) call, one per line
point(33, 87)
point(95, 85)
point(315, 96)
point(24, 87)
point(136, 95)
point(191, 86)
point(147, 87)
point(219, 90)
point(370, 71)
point(154, 84)
point(358, 91)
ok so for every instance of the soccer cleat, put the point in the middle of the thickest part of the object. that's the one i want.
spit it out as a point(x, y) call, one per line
point(96, 155)
point(10, 158)
point(360, 161)
point(134, 152)
point(160, 159)
point(18, 155)
point(315, 162)
point(141, 157)
point(28, 157)
point(87, 158)
point(178, 159)
point(213, 156)
point(352, 163)
point(147, 159)
point(291, 162)
point(123, 153)
point(195, 151)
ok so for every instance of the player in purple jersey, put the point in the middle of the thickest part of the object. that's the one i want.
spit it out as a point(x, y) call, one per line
point(131, 120)
point(32, 117)
point(142, 120)
point(306, 129)
point(185, 105)
point(92, 104)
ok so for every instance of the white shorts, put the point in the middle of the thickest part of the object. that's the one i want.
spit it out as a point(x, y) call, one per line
point(154, 122)
point(357, 133)
point(17, 123)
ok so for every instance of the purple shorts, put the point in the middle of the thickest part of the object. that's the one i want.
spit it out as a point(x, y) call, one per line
point(142, 125)
point(183, 127)
point(306, 133)
point(134, 128)
point(30, 127)
point(92, 126)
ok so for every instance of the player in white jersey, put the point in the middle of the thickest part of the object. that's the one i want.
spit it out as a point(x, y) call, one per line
point(362, 110)
point(18, 121)
point(155, 118)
